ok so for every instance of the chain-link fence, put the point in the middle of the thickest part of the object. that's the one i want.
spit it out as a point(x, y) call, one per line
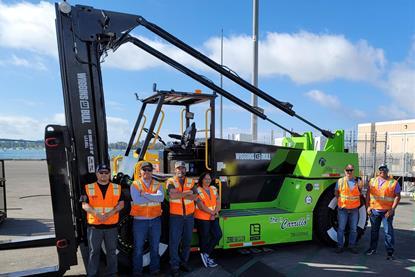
point(396, 150)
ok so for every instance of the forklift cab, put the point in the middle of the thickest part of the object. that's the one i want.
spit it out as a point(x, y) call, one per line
point(185, 145)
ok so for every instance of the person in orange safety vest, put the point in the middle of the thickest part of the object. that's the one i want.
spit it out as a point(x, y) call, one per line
point(147, 195)
point(182, 194)
point(103, 202)
point(207, 210)
point(383, 196)
point(347, 192)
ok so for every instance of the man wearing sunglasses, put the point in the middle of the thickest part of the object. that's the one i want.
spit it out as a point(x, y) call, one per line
point(347, 192)
point(383, 196)
point(147, 195)
point(103, 202)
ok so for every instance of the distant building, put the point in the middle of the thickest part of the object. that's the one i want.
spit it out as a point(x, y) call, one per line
point(243, 137)
point(390, 142)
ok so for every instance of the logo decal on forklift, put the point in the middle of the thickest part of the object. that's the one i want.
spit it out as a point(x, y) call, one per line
point(235, 239)
point(286, 223)
point(255, 231)
point(84, 98)
point(253, 156)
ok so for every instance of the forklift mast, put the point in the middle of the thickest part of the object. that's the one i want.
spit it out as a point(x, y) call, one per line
point(84, 36)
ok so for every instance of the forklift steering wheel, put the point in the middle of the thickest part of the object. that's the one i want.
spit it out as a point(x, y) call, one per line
point(153, 135)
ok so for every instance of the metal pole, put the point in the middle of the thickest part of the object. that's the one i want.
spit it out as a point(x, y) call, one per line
point(374, 145)
point(254, 123)
point(221, 86)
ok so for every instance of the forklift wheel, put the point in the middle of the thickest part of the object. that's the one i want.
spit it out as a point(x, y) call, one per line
point(325, 219)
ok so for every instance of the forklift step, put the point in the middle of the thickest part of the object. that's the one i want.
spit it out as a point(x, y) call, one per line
point(251, 212)
point(31, 242)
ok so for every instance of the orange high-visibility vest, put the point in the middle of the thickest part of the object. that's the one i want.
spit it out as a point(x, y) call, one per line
point(348, 199)
point(208, 201)
point(382, 198)
point(150, 209)
point(101, 204)
point(177, 205)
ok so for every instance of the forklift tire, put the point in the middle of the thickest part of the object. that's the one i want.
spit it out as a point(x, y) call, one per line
point(325, 219)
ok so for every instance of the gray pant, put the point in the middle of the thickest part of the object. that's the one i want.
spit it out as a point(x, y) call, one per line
point(95, 239)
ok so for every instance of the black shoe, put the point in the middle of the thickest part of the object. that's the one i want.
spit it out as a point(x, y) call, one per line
point(390, 256)
point(155, 273)
point(175, 272)
point(185, 268)
point(370, 252)
point(354, 250)
point(339, 250)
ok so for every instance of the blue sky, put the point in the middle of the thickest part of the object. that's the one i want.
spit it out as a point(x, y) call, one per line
point(339, 63)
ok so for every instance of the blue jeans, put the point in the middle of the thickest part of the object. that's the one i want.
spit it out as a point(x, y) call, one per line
point(95, 239)
point(344, 216)
point(376, 218)
point(180, 231)
point(209, 234)
point(146, 229)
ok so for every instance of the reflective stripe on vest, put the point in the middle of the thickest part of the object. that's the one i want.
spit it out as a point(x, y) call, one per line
point(382, 198)
point(149, 209)
point(208, 201)
point(102, 204)
point(177, 205)
point(348, 199)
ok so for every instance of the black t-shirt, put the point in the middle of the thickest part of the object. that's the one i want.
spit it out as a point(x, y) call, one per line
point(103, 188)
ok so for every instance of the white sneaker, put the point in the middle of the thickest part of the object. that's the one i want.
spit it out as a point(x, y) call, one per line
point(211, 263)
point(205, 259)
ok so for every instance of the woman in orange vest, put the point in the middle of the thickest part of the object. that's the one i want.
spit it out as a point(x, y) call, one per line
point(206, 218)
point(347, 192)
point(383, 196)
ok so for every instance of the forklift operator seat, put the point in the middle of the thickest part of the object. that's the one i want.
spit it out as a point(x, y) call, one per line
point(187, 140)
point(189, 136)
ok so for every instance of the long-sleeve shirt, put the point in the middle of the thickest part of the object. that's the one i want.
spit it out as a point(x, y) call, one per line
point(146, 197)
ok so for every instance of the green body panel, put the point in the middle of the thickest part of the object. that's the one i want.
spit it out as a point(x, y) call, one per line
point(265, 229)
point(294, 196)
point(335, 144)
point(305, 142)
point(289, 217)
point(322, 164)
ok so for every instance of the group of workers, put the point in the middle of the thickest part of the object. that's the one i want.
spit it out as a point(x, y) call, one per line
point(382, 198)
point(198, 204)
point(192, 204)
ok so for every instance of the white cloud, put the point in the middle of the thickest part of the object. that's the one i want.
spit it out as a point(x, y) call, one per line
point(35, 63)
point(304, 57)
point(20, 127)
point(28, 26)
point(333, 103)
point(389, 113)
point(24, 127)
point(325, 100)
point(400, 85)
point(118, 129)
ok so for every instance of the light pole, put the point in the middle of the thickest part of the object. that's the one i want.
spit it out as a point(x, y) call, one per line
point(254, 98)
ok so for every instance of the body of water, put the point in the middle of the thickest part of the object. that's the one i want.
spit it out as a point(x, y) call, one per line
point(36, 154)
